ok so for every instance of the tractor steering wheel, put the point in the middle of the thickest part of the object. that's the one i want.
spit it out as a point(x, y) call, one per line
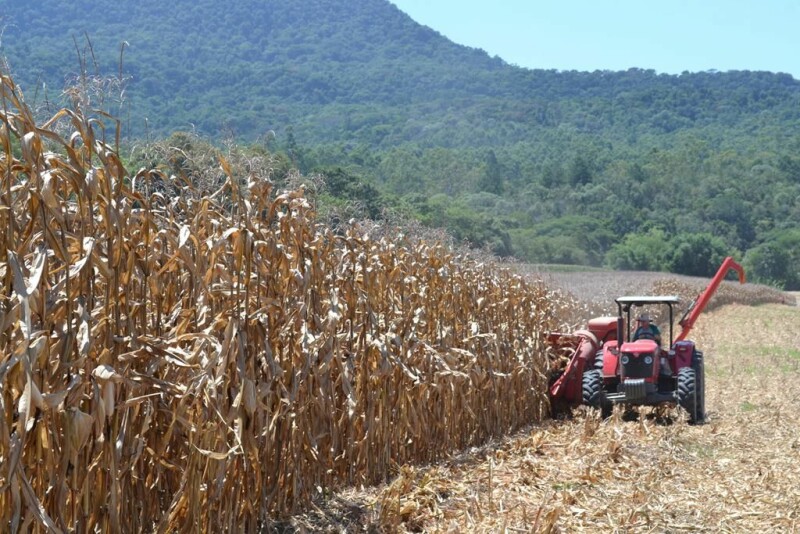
point(647, 334)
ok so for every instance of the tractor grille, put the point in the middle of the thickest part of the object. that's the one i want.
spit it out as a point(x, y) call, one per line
point(636, 368)
point(634, 389)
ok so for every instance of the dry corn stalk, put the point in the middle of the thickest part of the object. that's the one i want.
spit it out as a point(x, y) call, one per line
point(184, 363)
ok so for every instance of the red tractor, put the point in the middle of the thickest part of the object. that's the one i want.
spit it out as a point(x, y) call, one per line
point(610, 367)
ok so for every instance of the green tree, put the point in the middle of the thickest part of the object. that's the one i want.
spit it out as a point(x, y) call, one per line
point(553, 249)
point(466, 225)
point(696, 254)
point(351, 190)
point(589, 237)
point(491, 180)
point(777, 260)
point(769, 263)
point(640, 252)
point(581, 172)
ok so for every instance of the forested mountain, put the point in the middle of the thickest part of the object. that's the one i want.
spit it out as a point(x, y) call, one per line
point(351, 70)
point(629, 169)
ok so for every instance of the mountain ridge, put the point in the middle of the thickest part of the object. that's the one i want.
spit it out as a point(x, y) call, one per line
point(258, 66)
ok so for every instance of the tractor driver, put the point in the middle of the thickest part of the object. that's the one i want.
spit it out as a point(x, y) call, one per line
point(647, 330)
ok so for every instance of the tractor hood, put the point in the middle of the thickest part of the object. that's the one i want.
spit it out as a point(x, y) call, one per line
point(642, 346)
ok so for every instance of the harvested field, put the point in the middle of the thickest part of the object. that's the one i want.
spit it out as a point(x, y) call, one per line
point(650, 472)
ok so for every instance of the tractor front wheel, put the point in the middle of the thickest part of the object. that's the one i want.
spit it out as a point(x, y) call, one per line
point(688, 396)
point(593, 391)
point(598, 361)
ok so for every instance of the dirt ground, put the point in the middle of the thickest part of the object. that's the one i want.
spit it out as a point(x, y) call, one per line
point(645, 472)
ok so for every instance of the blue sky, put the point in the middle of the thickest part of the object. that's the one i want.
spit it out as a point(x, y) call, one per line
point(668, 36)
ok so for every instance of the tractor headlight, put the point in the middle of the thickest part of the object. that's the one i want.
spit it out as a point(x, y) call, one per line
point(648, 360)
point(625, 359)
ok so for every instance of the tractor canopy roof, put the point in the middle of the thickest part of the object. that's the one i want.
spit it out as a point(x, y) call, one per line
point(625, 305)
point(640, 301)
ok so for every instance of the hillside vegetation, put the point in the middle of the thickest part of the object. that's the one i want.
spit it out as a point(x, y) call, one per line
point(631, 170)
point(358, 71)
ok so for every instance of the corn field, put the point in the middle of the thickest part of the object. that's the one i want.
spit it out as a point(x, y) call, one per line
point(187, 363)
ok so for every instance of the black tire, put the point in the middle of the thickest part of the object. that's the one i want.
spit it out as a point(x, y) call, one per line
point(687, 394)
point(593, 391)
point(700, 388)
point(598, 361)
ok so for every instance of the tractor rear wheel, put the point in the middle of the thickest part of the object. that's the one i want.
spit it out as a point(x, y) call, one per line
point(688, 397)
point(593, 391)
